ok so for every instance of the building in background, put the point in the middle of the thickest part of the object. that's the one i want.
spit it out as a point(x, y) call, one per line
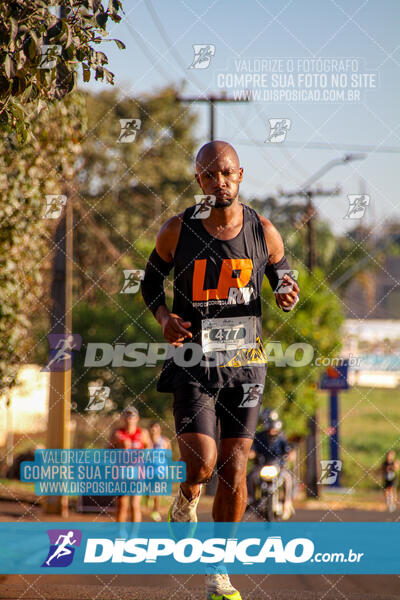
point(24, 411)
point(376, 342)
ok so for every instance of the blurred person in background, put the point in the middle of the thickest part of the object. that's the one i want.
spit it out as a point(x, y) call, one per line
point(130, 437)
point(271, 443)
point(161, 442)
point(390, 467)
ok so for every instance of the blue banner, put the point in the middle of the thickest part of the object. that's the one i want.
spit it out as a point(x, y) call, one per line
point(98, 472)
point(159, 548)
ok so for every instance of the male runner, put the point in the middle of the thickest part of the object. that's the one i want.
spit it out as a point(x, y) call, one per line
point(219, 263)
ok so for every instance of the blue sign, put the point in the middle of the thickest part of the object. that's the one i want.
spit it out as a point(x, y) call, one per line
point(335, 378)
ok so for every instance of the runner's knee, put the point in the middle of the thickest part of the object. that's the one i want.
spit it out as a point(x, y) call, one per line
point(200, 454)
point(199, 470)
point(232, 469)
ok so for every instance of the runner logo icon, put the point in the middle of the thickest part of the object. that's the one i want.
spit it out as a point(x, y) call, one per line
point(278, 129)
point(62, 547)
point(129, 129)
point(252, 393)
point(203, 54)
point(204, 203)
point(61, 351)
point(97, 397)
point(357, 206)
point(329, 471)
point(133, 277)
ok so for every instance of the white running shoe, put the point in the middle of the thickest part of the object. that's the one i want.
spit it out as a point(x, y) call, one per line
point(288, 511)
point(183, 510)
point(219, 587)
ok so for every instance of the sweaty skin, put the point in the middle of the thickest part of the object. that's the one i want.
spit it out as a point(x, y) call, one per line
point(218, 173)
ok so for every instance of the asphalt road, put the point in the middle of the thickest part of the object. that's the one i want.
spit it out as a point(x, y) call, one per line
point(185, 587)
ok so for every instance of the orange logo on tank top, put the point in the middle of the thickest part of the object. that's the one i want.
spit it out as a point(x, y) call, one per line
point(235, 273)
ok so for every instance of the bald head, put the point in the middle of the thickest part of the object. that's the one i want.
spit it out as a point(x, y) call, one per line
point(218, 172)
point(213, 151)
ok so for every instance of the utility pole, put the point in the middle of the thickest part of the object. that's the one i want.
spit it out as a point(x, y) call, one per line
point(312, 470)
point(59, 415)
point(59, 411)
point(212, 101)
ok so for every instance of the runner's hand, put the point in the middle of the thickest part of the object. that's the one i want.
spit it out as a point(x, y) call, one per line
point(290, 298)
point(175, 329)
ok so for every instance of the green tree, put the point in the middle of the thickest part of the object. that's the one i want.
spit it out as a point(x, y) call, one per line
point(124, 321)
point(127, 190)
point(42, 124)
point(315, 322)
point(40, 51)
point(29, 172)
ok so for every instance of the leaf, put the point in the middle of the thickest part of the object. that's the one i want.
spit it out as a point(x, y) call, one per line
point(9, 66)
point(34, 45)
point(86, 72)
point(69, 34)
point(28, 92)
point(40, 78)
point(101, 20)
point(14, 28)
point(120, 44)
point(101, 58)
point(20, 125)
point(99, 73)
point(109, 76)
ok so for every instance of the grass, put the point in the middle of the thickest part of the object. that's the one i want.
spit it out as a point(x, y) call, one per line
point(369, 425)
point(8, 487)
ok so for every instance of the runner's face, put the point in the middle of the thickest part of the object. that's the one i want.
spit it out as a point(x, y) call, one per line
point(155, 431)
point(131, 422)
point(219, 175)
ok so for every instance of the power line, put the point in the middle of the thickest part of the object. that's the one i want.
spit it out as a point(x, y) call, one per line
point(144, 48)
point(212, 101)
point(168, 42)
point(360, 264)
point(321, 146)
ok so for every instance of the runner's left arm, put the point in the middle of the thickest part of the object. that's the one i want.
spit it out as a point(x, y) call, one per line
point(276, 264)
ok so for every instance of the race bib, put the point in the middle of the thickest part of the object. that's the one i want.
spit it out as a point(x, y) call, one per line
point(228, 334)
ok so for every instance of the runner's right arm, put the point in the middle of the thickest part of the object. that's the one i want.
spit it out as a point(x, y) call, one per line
point(160, 263)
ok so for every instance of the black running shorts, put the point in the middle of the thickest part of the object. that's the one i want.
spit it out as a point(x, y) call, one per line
point(198, 410)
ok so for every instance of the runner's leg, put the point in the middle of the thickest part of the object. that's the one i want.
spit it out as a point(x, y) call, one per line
point(199, 452)
point(122, 508)
point(238, 424)
point(231, 496)
point(136, 510)
point(196, 427)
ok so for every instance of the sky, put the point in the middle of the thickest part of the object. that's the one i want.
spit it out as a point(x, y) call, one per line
point(280, 45)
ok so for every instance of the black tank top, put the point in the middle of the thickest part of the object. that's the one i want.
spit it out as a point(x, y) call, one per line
point(217, 285)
